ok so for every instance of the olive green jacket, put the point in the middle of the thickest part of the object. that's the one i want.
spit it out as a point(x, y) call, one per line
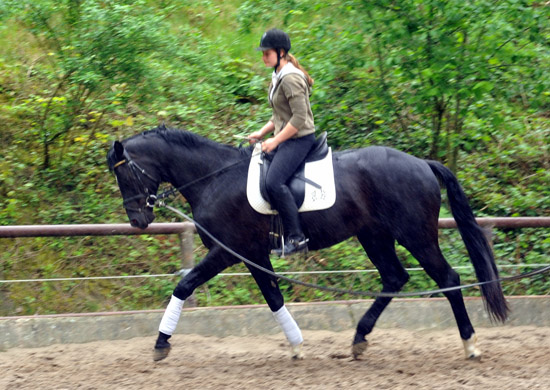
point(290, 103)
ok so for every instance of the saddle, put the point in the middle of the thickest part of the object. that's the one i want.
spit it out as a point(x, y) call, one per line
point(312, 185)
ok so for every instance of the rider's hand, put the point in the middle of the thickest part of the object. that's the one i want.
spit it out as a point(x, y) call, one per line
point(254, 137)
point(269, 145)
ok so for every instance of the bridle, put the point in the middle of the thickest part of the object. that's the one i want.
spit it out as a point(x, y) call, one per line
point(152, 199)
point(136, 169)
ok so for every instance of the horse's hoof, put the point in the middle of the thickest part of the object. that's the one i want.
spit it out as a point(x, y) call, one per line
point(474, 355)
point(160, 353)
point(296, 352)
point(474, 358)
point(358, 349)
point(470, 349)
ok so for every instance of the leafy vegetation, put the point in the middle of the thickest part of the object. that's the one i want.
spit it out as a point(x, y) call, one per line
point(466, 83)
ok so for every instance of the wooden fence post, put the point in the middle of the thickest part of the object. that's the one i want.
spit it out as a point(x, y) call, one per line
point(488, 232)
point(188, 261)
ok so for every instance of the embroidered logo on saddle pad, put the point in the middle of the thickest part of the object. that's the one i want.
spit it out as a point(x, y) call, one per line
point(312, 185)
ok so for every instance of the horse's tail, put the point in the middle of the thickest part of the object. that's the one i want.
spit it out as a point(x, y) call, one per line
point(478, 248)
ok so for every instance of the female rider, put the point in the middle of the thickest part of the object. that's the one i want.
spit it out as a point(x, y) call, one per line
point(293, 132)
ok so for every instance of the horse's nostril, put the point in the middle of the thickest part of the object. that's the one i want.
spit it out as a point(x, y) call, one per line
point(134, 222)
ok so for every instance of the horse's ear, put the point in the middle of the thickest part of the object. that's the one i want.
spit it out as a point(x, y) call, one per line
point(119, 150)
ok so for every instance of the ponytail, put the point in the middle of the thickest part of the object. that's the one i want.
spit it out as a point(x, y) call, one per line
point(295, 62)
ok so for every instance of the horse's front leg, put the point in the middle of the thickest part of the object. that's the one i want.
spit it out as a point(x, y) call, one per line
point(272, 294)
point(215, 262)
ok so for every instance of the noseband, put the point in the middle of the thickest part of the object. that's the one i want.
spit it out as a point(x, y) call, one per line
point(137, 172)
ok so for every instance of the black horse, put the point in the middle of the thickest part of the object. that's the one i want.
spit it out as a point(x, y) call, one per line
point(383, 196)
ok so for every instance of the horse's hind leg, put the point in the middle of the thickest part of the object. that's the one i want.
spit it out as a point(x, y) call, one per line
point(429, 255)
point(380, 248)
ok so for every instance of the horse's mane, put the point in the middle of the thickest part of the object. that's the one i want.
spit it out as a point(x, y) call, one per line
point(186, 138)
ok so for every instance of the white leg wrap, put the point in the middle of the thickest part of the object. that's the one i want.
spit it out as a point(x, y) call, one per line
point(171, 316)
point(289, 326)
point(470, 348)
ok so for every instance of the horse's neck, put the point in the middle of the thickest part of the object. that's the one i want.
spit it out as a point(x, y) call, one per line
point(193, 169)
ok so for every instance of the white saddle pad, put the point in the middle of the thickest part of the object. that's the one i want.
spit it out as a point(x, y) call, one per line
point(320, 172)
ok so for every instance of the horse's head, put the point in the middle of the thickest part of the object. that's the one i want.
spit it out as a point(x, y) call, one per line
point(137, 183)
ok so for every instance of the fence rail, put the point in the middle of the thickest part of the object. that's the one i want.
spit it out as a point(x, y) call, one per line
point(180, 227)
point(186, 229)
point(501, 222)
point(93, 230)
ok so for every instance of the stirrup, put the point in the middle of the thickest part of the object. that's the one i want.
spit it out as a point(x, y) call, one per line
point(292, 247)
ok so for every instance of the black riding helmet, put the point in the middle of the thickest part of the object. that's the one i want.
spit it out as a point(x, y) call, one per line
point(275, 39)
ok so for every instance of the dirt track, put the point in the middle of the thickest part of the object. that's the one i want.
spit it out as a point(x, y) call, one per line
point(514, 358)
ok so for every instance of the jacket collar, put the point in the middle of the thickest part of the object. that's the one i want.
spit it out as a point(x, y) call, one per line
point(276, 77)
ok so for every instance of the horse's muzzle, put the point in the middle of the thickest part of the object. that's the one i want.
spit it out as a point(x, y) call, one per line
point(141, 220)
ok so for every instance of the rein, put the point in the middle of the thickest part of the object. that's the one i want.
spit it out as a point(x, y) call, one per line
point(174, 190)
point(351, 292)
point(169, 192)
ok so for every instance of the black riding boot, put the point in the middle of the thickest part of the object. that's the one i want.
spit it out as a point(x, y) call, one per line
point(295, 240)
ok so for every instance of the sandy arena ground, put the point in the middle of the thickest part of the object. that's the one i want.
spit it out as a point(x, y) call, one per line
point(513, 358)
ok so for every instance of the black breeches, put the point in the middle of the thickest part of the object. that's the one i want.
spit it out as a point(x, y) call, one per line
point(286, 160)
